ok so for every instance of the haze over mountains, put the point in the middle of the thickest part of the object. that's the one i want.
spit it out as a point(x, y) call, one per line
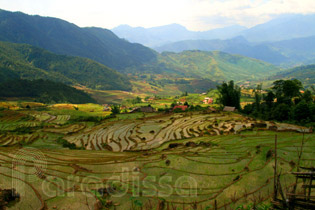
point(284, 53)
point(288, 40)
point(103, 60)
point(157, 36)
point(284, 27)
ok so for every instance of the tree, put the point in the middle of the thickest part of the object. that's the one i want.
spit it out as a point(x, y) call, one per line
point(269, 99)
point(258, 97)
point(307, 96)
point(301, 112)
point(230, 94)
point(281, 112)
point(115, 109)
point(285, 90)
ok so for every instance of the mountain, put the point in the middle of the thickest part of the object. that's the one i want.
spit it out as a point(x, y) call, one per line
point(28, 62)
point(216, 66)
point(306, 74)
point(298, 51)
point(7, 75)
point(62, 37)
point(44, 91)
point(282, 28)
point(157, 36)
point(283, 53)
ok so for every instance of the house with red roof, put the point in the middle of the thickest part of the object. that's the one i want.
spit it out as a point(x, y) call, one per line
point(182, 107)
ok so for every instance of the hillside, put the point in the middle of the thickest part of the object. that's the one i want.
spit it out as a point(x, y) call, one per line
point(306, 74)
point(283, 53)
point(62, 37)
point(216, 66)
point(27, 62)
point(44, 91)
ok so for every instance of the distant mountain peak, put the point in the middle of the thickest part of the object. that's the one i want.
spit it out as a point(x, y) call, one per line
point(160, 35)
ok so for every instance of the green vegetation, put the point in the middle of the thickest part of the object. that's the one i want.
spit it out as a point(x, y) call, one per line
point(303, 73)
point(284, 102)
point(230, 95)
point(29, 62)
point(230, 154)
point(65, 38)
point(44, 91)
point(287, 53)
point(216, 66)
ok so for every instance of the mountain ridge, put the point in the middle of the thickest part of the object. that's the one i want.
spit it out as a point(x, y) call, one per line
point(286, 53)
point(62, 37)
point(216, 66)
point(156, 36)
point(29, 62)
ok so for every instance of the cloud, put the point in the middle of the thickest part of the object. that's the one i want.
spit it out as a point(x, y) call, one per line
point(194, 14)
point(211, 14)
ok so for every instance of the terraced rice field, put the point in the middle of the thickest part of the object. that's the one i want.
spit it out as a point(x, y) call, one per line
point(234, 169)
point(174, 161)
point(152, 132)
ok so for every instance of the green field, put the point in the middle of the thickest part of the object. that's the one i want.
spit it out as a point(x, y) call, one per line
point(144, 161)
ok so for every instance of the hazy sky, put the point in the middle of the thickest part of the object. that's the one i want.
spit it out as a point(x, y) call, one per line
point(196, 15)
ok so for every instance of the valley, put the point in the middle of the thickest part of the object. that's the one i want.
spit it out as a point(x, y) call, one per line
point(157, 118)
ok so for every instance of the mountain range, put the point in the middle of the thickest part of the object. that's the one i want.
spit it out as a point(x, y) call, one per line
point(284, 27)
point(157, 36)
point(216, 66)
point(61, 37)
point(51, 48)
point(282, 53)
point(306, 74)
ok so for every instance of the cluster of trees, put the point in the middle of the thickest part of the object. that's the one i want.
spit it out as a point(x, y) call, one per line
point(285, 101)
point(230, 94)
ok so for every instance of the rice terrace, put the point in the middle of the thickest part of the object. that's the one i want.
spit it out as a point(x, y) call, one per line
point(190, 160)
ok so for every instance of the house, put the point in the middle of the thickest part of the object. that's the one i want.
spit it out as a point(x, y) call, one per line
point(229, 109)
point(146, 109)
point(208, 100)
point(183, 107)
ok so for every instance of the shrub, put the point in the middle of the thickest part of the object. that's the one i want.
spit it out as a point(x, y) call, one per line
point(66, 144)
